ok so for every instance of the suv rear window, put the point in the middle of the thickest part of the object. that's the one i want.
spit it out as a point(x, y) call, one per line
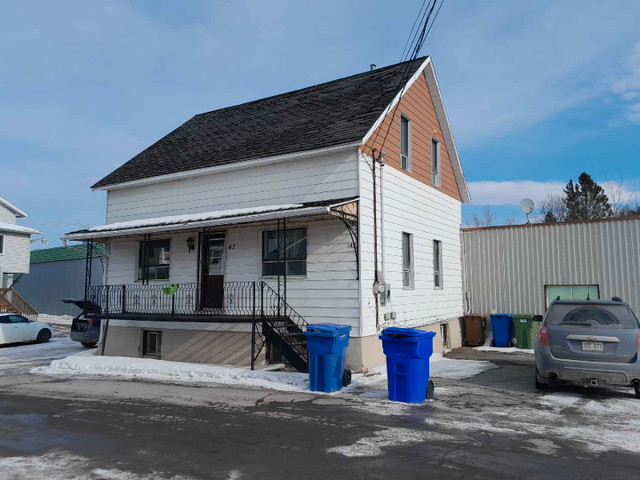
point(593, 316)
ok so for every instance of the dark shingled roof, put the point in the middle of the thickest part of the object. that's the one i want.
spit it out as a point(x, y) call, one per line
point(325, 115)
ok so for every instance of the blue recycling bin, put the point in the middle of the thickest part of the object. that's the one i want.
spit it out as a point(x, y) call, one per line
point(501, 326)
point(408, 351)
point(327, 346)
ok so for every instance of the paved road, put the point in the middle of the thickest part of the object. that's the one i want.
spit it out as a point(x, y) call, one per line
point(482, 427)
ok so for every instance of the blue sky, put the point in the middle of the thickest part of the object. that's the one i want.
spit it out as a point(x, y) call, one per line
point(536, 92)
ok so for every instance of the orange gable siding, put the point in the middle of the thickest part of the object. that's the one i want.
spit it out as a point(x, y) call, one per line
point(417, 105)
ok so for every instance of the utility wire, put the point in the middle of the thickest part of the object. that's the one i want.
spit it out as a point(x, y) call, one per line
point(415, 41)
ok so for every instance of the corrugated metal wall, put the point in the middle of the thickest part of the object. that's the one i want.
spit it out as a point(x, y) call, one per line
point(48, 283)
point(506, 269)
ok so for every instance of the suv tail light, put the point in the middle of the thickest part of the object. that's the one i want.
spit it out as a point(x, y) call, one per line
point(543, 336)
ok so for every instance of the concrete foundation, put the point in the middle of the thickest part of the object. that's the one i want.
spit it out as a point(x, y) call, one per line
point(196, 346)
point(366, 352)
point(209, 344)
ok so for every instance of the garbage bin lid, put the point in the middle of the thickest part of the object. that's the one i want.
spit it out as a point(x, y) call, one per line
point(398, 332)
point(327, 329)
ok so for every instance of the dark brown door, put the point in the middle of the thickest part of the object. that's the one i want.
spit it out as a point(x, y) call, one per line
point(213, 271)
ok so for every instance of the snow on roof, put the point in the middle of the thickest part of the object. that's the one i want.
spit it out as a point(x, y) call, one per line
point(194, 217)
point(19, 213)
point(8, 227)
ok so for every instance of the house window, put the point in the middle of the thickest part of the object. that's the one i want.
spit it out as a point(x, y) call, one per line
point(435, 162)
point(153, 260)
point(437, 264)
point(571, 292)
point(296, 252)
point(405, 143)
point(407, 260)
point(1, 244)
point(151, 343)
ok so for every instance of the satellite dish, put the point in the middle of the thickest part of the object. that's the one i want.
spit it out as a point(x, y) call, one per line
point(527, 205)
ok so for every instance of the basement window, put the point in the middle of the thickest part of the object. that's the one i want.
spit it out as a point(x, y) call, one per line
point(151, 343)
point(405, 143)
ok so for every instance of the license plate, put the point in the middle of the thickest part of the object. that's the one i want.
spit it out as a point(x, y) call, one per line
point(592, 346)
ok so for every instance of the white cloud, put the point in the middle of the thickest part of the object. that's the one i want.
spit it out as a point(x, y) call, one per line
point(504, 67)
point(628, 86)
point(498, 193)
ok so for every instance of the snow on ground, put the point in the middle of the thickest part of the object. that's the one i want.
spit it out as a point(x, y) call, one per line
point(163, 371)
point(488, 348)
point(28, 355)
point(55, 319)
point(60, 465)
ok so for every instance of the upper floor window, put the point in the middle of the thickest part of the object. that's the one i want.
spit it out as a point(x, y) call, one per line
point(407, 260)
point(435, 162)
point(153, 260)
point(1, 244)
point(405, 143)
point(295, 253)
point(571, 292)
point(437, 264)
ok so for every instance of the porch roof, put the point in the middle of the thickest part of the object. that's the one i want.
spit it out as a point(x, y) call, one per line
point(174, 223)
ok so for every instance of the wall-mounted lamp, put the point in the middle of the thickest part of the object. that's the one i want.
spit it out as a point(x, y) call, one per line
point(190, 244)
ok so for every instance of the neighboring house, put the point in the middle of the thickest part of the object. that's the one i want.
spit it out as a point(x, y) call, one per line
point(210, 206)
point(15, 246)
point(523, 268)
point(58, 273)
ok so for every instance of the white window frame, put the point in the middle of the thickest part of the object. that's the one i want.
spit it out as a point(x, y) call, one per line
point(139, 265)
point(2, 242)
point(407, 273)
point(261, 253)
point(158, 342)
point(438, 270)
point(408, 155)
point(435, 174)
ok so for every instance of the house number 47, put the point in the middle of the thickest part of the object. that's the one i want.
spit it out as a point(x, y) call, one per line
point(232, 246)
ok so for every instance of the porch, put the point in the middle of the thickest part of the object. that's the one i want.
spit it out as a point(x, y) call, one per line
point(232, 270)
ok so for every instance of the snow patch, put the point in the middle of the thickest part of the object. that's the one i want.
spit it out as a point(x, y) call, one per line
point(391, 437)
point(441, 367)
point(55, 319)
point(10, 227)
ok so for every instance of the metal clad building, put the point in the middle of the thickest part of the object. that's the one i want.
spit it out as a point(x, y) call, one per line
point(58, 273)
point(518, 269)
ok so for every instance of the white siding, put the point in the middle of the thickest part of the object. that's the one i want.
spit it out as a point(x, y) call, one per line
point(310, 179)
point(506, 269)
point(7, 216)
point(16, 253)
point(413, 207)
point(328, 293)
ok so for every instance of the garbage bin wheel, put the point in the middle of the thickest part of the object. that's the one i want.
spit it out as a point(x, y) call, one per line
point(493, 343)
point(430, 389)
point(514, 342)
point(346, 378)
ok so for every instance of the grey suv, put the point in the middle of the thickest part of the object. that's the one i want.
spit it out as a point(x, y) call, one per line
point(593, 343)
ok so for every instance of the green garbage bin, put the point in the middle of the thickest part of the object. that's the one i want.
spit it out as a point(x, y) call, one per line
point(525, 329)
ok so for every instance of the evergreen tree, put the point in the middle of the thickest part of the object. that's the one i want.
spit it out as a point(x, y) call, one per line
point(549, 217)
point(586, 200)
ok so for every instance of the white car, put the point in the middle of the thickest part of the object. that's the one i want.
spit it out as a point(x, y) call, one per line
point(17, 329)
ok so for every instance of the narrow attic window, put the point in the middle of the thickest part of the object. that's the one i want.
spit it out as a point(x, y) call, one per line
point(1, 244)
point(405, 143)
point(435, 162)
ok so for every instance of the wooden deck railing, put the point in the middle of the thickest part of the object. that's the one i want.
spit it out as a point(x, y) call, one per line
point(12, 302)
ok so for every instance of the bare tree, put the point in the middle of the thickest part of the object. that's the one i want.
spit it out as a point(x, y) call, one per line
point(622, 200)
point(486, 219)
point(552, 209)
point(510, 220)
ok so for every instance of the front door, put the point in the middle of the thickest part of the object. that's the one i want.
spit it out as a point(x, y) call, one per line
point(214, 260)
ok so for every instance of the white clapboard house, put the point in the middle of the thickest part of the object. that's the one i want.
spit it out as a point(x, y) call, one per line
point(15, 250)
point(228, 236)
